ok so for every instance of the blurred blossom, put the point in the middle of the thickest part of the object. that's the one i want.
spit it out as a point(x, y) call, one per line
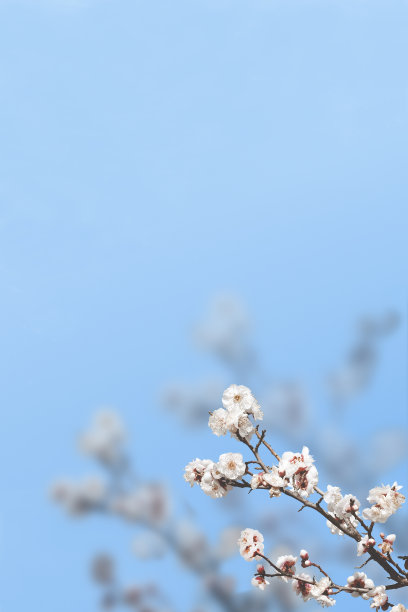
point(104, 438)
point(148, 503)
point(148, 545)
point(102, 569)
point(225, 329)
point(359, 366)
point(79, 497)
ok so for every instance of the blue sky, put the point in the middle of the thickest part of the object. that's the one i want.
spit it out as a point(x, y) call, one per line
point(154, 154)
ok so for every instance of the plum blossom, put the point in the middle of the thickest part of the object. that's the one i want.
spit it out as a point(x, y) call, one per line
point(286, 563)
point(268, 480)
point(238, 398)
point(386, 500)
point(364, 544)
point(380, 597)
point(332, 497)
point(239, 404)
point(231, 465)
point(259, 580)
point(218, 422)
point(251, 544)
point(299, 471)
point(320, 592)
point(359, 580)
point(398, 608)
point(387, 545)
point(194, 470)
point(303, 588)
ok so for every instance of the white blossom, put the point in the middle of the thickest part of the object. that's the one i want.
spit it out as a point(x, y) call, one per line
point(364, 544)
point(303, 588)
point(332, 497)
point(299, 471)
point(251, 544)
point(218, 422)
point(238, 398)
point(386, 500)
point(259, 580)
point(268, 480)
point(380, 597)
point(286, 563)
point(305, 481)
point(291, 463)
point(231, 465)
point(337, 530)
point(320, 592)
point(239, 423)
point(210, 483)
point(347, 506)
point(387, 544)
point(195, 469)
point(398, 608)
point(359, 580)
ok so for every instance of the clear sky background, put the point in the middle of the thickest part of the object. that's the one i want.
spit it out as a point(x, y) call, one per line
point(153, 154)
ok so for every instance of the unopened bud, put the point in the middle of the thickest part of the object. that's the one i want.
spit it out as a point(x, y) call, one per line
point(304, 554)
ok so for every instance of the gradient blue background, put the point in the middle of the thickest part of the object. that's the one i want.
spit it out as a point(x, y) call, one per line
point(156, 153)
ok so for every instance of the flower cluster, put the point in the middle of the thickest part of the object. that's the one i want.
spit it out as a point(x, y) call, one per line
point(78, 497)
point(239, 404)
point(298, 471)
point(251, 544)
point(213, 477)
point(385, 501)
point(344, 508)
point(296, 476)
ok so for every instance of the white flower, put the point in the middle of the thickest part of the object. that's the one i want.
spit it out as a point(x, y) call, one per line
point(347, 506)
point(286, 563)
point(104, 438)
point(364, 544)
point(259, 580)
point(332, 497)
point(238, 398)
point(359, 580)
point(299, 471)
point(398, 608)
point(210, 483)
point(268, 480)
point(338, 530)
point(239, 423)
point(387, 545)
point(320, 592)
point(305, 481)
point(256, 411)
point(195, 469)
point(218, 422)
point(251, 544)
point(325, 601)
point(380, 597)
point(303, 588)
point(386, 500)
point(231, 465)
